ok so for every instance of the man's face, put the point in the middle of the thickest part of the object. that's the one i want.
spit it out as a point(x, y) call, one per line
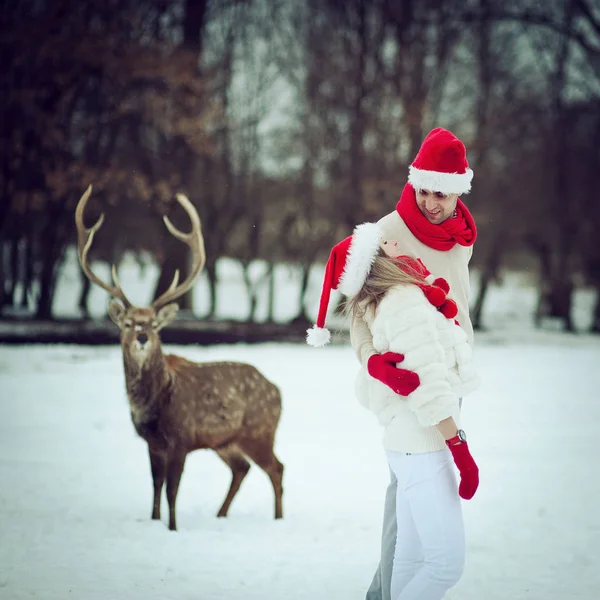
point(436, 207)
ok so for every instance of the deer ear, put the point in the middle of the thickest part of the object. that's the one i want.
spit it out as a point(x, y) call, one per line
point(166, 314)
point(116, 312)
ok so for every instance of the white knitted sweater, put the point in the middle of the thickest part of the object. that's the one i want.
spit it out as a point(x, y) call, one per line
point(437, 350)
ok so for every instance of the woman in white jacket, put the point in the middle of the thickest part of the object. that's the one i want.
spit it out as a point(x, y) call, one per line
point(410, 314)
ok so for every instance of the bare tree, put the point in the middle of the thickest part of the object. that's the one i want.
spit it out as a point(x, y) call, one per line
point(91, 101)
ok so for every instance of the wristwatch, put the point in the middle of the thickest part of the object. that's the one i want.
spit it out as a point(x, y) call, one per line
point(459, 438)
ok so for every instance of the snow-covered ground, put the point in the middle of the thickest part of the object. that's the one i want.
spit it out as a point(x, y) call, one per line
point(75, 496)
point(75, 488)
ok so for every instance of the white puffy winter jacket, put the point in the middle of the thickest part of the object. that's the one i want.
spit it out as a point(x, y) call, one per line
point(437, 350)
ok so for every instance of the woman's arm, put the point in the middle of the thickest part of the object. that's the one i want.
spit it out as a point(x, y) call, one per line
point(447, 427)
point(361, 340)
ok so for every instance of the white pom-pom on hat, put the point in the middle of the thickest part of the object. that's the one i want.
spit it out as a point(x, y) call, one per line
point(317, 337)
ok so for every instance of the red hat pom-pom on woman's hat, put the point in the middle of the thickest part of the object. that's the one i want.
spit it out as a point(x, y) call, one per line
point(441, 283)
point(449, 308)
point(347, 268)
point(436, 291)
point(435, 295)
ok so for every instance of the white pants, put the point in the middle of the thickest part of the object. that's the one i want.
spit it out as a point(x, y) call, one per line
point(430, 542)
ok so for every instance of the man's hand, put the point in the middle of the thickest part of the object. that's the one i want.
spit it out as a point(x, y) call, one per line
point(383, 367)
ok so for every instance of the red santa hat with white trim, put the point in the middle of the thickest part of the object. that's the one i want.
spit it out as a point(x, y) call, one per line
point(441, 164)
point(347, 268)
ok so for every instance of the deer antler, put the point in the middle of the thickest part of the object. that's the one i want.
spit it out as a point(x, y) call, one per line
point(85, 237)
point(195, 241)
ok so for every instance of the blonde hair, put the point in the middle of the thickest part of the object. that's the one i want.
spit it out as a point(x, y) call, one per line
point(385, 273)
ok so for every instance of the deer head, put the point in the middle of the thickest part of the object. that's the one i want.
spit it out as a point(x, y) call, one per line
point(140, 326)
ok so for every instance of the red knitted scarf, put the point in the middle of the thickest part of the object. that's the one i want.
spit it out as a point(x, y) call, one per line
point(459, 229)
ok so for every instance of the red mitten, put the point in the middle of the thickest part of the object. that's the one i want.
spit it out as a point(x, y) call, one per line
point(469, 473)
point(449, 309)
point(383, 368)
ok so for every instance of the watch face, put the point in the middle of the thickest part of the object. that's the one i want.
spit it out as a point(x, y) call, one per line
point(462, 435)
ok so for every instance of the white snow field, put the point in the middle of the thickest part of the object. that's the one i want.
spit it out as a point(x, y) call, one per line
point(75, 485)
point(75, 491)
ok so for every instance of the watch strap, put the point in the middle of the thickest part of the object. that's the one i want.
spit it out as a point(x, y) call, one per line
point(454, 441)
point(459, 438)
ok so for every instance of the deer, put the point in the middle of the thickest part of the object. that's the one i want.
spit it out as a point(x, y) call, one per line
point(176, 405)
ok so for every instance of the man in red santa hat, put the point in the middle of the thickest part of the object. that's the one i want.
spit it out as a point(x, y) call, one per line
point(429, 222)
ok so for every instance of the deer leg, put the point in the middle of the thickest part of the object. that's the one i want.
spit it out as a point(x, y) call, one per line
point(158, 465)
point(174, 471)
point(261, 452)
point(239, 466)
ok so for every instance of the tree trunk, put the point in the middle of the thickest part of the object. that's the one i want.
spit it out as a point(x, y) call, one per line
point(544, 255)
point(271, 297)
point(176, 254)
point(561, 301)
point(354, 199)
point(176, 257)
point(561, 284)
point(6, 275)
point(15, 264)
point(253, 288)
point(84, 296)
point(44, 305)
point(3, 277)
point(48, 277)
point(556, 301)
point(211, 276)
point(30, 241)
point(489, 272)
point(54, 240)
point(595, 326)
point(193, 24)
point(302, 317)
point(251, 291)
point(476, 316)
